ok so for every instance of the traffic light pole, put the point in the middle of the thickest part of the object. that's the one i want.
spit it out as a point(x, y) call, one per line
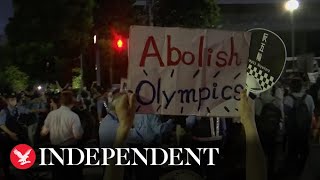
point(111, 69)
point(98, 67)
point(150, 5)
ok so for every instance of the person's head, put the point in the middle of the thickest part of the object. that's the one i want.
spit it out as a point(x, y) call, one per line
point(84, 94)
point(11, 99)
point(54, 99)
point(67, 99)
point(296, 85)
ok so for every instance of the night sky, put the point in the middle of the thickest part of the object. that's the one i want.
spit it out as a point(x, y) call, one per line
point(5, 12)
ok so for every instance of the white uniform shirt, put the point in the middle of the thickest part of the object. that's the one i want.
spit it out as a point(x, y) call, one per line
point(64, 126)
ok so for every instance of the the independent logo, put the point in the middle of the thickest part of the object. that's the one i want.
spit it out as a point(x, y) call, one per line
point(22, 156)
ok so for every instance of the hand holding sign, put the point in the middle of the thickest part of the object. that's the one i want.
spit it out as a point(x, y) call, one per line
point(125, 110)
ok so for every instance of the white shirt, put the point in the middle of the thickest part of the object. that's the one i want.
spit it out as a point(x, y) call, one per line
point(64, 126)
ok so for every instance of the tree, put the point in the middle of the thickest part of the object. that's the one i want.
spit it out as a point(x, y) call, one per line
point(186, 13)
point(14, 78)
point(44, 30)
point(76, 79)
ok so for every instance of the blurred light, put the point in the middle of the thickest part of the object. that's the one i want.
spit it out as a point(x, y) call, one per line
point(291, 5)
point(94, 39)
point(39, 88)
point(96, 68)
point(120, 43)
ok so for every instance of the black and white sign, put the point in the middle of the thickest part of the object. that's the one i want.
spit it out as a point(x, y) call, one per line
point(267, 58)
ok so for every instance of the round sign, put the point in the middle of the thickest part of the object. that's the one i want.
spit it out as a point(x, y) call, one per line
point(267, 59)
point(22, 156)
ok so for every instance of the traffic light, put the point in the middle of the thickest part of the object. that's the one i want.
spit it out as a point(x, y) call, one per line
point(119, 44)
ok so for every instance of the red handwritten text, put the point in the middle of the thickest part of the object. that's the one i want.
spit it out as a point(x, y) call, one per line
point(223, 58)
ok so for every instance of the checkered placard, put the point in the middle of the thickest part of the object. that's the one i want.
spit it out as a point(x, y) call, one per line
point(265, 80)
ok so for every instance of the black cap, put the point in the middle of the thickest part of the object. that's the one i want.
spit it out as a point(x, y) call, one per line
point(10, 94)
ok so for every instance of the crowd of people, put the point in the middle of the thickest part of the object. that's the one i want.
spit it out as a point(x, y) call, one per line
point(285, 119)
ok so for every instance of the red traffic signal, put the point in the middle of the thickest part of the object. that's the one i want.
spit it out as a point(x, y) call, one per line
point(119, 44)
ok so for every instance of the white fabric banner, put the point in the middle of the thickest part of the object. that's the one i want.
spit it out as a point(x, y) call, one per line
point(178, 71)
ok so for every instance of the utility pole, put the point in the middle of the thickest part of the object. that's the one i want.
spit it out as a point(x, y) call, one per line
point(150, 6)
point(295, 61)
point(98, 66)
point(111, 70)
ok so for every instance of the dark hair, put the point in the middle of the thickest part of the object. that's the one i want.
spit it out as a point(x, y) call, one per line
point(66, 98)
point(296, 85)
point(84, 94)
point(55, 99)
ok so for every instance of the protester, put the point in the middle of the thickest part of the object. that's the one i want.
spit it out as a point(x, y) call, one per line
point(108, 128)
point(88, 122)
point(125, 111)
point(207, 132)
point(255, 159)
point(299, 108)
point(311, 170)
point(103, 102)
point(65, 131)
point(39, 103)
point(95, 90)
point(315, 94)
point(268, 119)
point(54, 102)
point(147, 130)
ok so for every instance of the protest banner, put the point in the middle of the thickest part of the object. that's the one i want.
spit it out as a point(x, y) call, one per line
point(178, 71)
point(267, 59)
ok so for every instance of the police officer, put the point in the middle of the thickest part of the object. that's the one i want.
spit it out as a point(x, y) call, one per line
point(11, 130)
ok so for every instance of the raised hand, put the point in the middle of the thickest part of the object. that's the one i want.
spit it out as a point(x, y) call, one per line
point(246, 112)
point(125, 110)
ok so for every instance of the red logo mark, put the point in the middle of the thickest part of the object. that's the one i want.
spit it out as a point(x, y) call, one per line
point(22, 156)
